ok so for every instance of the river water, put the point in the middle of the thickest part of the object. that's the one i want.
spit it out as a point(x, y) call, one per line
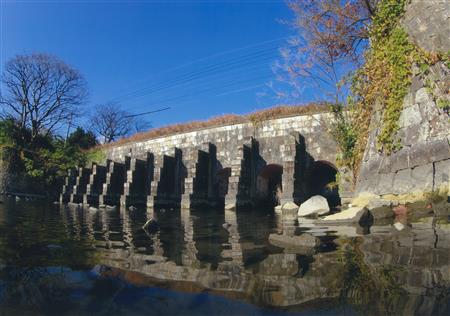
point(66, 261)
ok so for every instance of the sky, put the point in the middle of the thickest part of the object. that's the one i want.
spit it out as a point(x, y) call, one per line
point(200, 58)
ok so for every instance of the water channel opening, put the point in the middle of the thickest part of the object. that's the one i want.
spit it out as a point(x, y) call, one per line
point(322, 181)
point(167, 181)
point(269, 184)
point(222, 179)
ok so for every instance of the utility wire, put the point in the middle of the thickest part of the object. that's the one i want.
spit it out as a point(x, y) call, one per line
point(149, 112)
point(233, 85)
point(217, 79)
point(224, 53)
point(207, 70)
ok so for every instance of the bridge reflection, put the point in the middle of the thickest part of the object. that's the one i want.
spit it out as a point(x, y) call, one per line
point(228, 252)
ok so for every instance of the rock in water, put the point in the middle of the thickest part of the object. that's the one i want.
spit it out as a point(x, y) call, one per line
point(303, 241)
point(151, 226)
point(377, 203)
point(289, 206)
point(351, 215)
point(381, 212)
point(314, 205)
point(399, 226)
point(226, 225)
point(289, 210)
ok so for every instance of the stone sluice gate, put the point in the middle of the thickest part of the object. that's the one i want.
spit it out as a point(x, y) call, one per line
point(232, 166)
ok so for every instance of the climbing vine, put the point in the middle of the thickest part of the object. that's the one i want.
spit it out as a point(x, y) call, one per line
point(381, 84)
point(383, 81)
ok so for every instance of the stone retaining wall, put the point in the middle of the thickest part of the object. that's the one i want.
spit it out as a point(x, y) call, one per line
point(423, 162)
point(227, 139)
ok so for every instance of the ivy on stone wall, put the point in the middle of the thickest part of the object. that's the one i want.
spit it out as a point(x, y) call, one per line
point(382, 83)
point(384, 79)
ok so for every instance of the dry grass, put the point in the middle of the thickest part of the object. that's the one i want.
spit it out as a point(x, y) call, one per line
point(227, 119)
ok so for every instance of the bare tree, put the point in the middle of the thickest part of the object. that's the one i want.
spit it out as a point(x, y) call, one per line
point(331, 36)
point(111, 122)
point(41, 92)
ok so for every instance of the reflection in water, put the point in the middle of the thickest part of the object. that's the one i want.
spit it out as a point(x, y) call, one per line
point(61, 260)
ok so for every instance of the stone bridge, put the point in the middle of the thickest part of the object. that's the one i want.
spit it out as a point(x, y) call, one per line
point(274, 161)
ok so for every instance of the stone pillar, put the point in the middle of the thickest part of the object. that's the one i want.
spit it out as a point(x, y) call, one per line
point(197, 183)
point(149, 176)
point(158, 250)
point(104, 222)
point(189, 254)
point(67, 188)
point(235, 253)
point(94, 188)
point(240, 180)
point(75, 223)
point(166, 185)
point(89, 217)
point(113, 186)
point(134, 185)
point(158, 163)
point(127, 230)
point(191, 157)
point(79, 188)
point(288, 154)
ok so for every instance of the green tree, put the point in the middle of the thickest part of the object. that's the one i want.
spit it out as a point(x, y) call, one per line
point(83, 139)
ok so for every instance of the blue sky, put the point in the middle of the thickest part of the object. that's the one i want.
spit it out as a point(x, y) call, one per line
point(201, 58)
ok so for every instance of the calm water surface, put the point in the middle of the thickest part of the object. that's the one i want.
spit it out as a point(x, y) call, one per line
point(66, 261)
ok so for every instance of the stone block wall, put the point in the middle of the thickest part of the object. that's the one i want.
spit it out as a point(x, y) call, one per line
point(428, 24)
point(227, 140)
point(216, 166)
point(423, 162)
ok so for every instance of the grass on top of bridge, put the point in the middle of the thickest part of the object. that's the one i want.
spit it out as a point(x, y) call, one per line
point(256, 117)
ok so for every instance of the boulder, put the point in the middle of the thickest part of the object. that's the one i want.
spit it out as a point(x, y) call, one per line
point(377, 203)
point(295, 244)
point(353, 214)
point(289, 206)
point(314, 205)
point(381, 212)
point(289, 210)
point(399, 226)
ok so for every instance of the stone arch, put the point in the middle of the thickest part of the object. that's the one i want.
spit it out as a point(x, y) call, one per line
point(322, 181)
point(269, 183)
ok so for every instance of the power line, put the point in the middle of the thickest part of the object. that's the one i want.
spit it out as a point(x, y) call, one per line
point(197, 93)
point(199, 82)
point(224, 53)
point(149, 112)
point(238, 62)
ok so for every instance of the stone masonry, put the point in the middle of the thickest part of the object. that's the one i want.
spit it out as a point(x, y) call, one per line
point(423, 162)
point(231, 165)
